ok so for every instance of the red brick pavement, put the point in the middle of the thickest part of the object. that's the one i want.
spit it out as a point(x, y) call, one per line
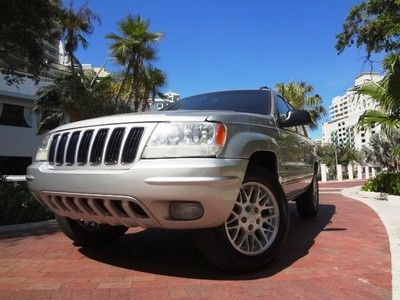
point(344, 253)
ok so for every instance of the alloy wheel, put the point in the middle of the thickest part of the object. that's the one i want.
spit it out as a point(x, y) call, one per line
point(254, 221)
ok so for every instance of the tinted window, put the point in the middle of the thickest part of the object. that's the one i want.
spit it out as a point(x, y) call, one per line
point(281, 108)
point(13, 115)
point(257, 102)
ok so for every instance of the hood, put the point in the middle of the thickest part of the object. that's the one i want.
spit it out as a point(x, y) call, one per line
point(168, 116)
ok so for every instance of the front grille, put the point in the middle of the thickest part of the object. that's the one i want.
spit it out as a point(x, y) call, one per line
point(131, 145)
point(84, 147)
point(114, 146)
point(61, 149)
point(70, 156)
point(95, 147)
point(52, 150)
point(98, 147)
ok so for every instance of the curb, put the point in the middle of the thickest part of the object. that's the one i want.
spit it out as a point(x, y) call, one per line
point(388, 213)
point(392, 199)
point(21, 228)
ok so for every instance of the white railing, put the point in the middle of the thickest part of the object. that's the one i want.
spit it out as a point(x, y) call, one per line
point(363, 172)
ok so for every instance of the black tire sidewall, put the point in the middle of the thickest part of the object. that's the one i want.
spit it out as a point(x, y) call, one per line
point(306, 206)
point(81, 236)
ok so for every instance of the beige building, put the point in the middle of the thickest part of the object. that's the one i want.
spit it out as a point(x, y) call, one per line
point(345, 111)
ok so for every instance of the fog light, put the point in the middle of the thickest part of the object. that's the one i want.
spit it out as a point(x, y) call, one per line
point(186, 210)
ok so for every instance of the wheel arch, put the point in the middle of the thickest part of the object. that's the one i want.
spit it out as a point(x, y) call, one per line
point(266, 159)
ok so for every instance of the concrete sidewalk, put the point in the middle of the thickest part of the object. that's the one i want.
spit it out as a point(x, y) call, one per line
point(389, 212)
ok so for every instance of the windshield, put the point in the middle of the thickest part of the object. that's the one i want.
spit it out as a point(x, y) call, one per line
point(248, 101)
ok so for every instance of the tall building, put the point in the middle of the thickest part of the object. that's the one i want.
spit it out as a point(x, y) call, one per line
point(18, 122)
point(345, 111)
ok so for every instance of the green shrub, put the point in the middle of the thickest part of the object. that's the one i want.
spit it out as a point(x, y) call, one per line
point(385, 183)
point(17, 205)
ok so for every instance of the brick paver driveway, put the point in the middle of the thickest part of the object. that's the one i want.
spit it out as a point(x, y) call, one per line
point(344, 253)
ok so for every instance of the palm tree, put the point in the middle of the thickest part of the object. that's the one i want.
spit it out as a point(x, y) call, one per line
point(347, 154)
point(155, 79)
point(134, 49)
point(75, 26)
point(383, 151)
point(75, 98)
point(301, 96)
point(387, 95)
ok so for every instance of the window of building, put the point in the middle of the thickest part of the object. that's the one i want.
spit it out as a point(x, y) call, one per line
point(12, 165)
point(12, 115)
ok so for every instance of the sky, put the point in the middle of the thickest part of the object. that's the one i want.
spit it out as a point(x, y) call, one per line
point(213, 45)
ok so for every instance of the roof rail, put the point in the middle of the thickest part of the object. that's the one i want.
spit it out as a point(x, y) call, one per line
point(264, 88)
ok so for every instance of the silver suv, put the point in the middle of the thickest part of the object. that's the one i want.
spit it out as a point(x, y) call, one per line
point(223, 162)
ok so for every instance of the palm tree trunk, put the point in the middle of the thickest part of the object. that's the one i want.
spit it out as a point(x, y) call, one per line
point(128, 68)
point(132, 93)
point(135, 81)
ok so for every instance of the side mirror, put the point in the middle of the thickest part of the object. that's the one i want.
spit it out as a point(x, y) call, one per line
point(296, 118)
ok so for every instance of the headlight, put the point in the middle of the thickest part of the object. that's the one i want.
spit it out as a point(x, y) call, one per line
point(185, 140)
point(41, 154)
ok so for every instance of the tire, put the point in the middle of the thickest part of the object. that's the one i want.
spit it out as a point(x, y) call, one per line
point(89, 233)
point(219, 244)
point(308, 203)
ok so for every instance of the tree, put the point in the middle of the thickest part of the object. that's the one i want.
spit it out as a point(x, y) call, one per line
point(327, 154)
point(25, 28)
point(374, 24)
point(387, 95)
point(155, 79)
point(75, 26)
point(74, 98)
point(383, 151)
point(301, 96)
point(134, 49)
point(346, 154)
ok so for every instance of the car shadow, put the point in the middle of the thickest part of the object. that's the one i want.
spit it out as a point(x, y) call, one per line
point(174, 253)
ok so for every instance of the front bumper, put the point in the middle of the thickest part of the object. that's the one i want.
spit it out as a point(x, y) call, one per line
point(141, 195)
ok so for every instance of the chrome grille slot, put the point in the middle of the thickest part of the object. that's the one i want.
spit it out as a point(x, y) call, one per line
point(71, 149)
point(61, 148)
point(53, 149)
point(84, 147)
point(132, 144)
point(114, 146)
point(98, 147)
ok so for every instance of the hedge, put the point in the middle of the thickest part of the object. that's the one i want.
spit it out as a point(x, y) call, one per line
point(17, 205)
point(388, 182)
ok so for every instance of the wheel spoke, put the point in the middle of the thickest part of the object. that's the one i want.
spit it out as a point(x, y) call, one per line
point(256, 244)
point(264, 236)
